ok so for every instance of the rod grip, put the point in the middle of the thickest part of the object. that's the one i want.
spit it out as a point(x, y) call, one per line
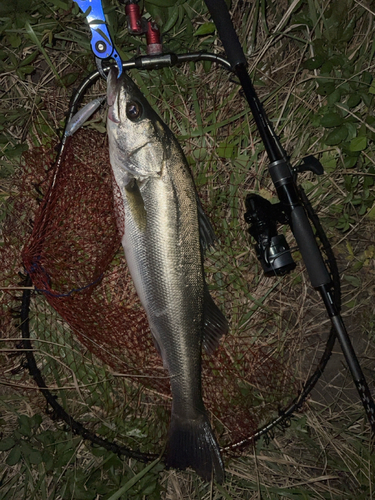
point(223, 22)
point(308, 247)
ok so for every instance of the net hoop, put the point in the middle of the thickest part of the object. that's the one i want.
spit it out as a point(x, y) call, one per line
point(279, 423)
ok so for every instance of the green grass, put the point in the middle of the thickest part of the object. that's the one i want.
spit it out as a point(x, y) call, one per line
point(313, 67)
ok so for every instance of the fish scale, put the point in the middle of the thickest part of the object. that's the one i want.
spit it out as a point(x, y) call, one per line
point(163, 243)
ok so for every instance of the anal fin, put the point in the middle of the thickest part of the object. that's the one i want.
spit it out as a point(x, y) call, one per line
point(159, 349)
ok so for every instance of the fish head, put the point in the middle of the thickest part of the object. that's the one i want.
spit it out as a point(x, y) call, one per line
point(138, 138)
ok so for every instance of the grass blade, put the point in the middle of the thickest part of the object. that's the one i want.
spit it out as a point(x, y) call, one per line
point(35, 39)
point(134, 480)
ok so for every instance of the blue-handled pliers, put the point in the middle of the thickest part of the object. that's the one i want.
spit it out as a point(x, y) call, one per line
point(101, 42)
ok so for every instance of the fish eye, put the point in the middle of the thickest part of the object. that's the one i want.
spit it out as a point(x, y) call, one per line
point(134, 110)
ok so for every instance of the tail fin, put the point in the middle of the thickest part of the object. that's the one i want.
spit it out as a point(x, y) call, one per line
point(192, 444)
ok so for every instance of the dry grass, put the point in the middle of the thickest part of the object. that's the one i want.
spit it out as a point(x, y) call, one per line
point(327, 451)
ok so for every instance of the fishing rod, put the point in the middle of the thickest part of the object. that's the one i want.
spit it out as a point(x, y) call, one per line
point(284, 178)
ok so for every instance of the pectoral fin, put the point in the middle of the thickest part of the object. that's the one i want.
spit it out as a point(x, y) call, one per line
point(215, 324)
point(136, 204)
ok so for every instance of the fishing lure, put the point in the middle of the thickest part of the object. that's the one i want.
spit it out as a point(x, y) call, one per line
point(82, 116)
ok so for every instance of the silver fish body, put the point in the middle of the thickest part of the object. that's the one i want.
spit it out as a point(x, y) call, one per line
point(165, 231)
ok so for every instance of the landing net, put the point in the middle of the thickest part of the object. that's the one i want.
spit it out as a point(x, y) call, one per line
point(89, 332)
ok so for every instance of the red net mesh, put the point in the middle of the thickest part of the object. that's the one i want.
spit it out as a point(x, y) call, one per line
point(74, 260)
point(74, 240)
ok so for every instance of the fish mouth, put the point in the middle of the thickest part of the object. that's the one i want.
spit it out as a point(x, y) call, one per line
point(113, 87)
point(114, 70)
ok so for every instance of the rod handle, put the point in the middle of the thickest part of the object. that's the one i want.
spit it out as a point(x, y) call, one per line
point(223, 22)
point(308, 247)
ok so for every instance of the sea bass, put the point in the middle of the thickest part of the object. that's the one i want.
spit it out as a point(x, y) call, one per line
point(164, 236)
